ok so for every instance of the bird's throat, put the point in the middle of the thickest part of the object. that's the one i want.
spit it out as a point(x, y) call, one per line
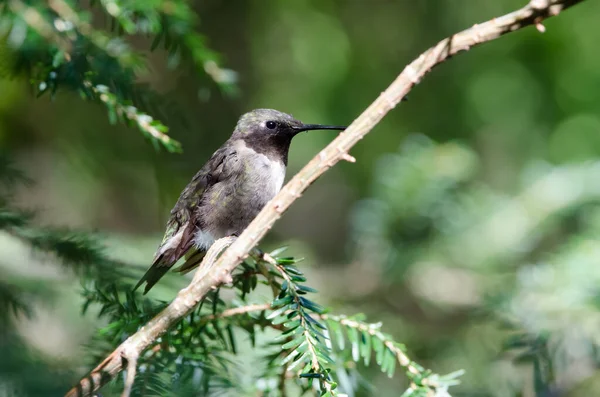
point(276, 148)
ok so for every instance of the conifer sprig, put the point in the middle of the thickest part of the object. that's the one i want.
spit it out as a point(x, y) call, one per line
point(129, 114)
point(367, 340)
point(58, 45)
point(309, 332)
point(304, 338)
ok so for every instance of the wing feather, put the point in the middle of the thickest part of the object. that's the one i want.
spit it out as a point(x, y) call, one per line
point(178, 240)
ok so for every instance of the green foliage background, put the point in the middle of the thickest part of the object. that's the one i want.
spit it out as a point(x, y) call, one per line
point(469, 225)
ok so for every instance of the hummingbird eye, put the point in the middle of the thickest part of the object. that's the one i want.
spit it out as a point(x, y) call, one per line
point(271, 125)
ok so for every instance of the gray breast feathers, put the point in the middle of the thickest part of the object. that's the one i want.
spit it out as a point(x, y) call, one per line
point(232, 203)
point(263, 177)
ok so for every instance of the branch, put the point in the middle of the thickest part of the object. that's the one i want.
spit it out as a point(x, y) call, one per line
point(532, 14)
point(130, 373)
point(236, 311)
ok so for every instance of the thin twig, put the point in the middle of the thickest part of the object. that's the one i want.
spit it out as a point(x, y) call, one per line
point(533, 13)
point(131, 370)
point(236, 311)
point(144, 121)
point(260, 255)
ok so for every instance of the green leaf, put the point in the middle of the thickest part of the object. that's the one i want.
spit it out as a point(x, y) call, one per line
point(336, 329)
point(282, 301)
point(315, 332)
point(292, 324)
point(293, 343)
point(379, 348)
point(277, 312)
point(289, 333)
point(284, 287)
point(231, 339)
point(389, 363)
point(322, 354)
point(365, 347)
point(302, 348)
point(312, 306)
point(282, 319)
point(309, 318)
point(301, 359)
point(292, 356)
point(112, 115)
point(293, 270)
point(278, 251)
point(311, 375)
point(353, 338)
point(287, 261)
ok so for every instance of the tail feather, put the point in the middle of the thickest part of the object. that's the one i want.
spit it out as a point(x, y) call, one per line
point(192, 260)
point(161, 266)
point(152, 276)
point(169, 252)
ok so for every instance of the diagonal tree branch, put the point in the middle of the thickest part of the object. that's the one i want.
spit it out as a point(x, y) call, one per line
point(533, 13)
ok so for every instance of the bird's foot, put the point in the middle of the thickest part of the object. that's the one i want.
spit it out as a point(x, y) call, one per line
point(211, 256)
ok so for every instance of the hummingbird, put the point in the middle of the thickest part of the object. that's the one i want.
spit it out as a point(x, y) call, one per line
point(229, 190)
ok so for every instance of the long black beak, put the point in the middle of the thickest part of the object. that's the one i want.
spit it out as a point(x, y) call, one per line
point(308, 127)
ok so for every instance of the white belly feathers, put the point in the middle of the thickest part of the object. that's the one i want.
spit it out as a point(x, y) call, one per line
point(203, 239)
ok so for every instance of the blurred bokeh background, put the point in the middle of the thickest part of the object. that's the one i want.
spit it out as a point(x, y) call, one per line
point(469, 225)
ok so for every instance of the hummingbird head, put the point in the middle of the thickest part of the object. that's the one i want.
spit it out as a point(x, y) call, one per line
point(270, 132)
point(275, 126)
